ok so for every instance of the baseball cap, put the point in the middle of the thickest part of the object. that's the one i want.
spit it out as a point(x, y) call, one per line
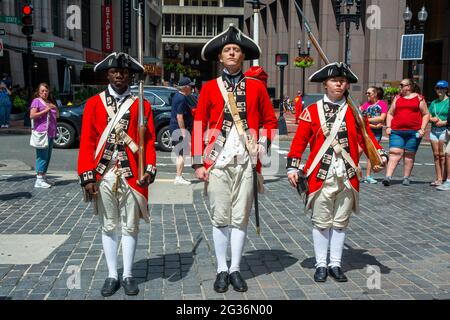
point(185, 81)
point(441, 84)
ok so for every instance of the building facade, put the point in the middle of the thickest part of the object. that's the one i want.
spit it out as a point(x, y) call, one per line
point(83, 33)
point(187, 26)
point(374, 48)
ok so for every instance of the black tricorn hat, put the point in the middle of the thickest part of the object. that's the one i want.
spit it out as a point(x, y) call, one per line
point(119, 60)
point(335, 69)
point(231, 35)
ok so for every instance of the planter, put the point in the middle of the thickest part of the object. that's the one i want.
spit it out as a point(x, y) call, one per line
point(304, 62)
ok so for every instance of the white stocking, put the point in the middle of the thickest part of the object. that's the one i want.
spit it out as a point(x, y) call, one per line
point(220, 237)
point(321, 239)
point(237, 247)
point(337, 238)
point(128, 251)
point(110, 244)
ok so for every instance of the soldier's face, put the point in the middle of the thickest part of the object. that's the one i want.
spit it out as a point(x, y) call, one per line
point(231, 56)
point(119, 78)
point(336, 86)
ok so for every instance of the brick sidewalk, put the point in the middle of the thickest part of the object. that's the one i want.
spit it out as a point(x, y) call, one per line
point(402, 231)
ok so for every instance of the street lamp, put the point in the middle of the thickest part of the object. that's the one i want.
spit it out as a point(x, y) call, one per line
point(348, 18)
point(303, 54)
point(410, 28)
point(256, 5)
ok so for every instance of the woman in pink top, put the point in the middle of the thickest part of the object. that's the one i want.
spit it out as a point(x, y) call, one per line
point(375, 109)
point(43, 112)
point(405, 124)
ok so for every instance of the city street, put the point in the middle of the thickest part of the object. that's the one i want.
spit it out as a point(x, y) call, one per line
point(397, 248)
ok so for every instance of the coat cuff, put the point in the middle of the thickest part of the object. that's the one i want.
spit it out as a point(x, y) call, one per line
point(87, 177)
point(151, 170)
point(293, 163)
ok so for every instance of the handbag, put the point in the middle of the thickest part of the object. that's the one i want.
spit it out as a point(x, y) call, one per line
point(39, 140)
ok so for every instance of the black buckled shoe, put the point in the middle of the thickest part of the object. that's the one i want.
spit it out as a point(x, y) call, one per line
point(110, 287)
point(238, 282)
point(321, 274)
point(337, 274)
point(130, 286)
point(222, 282)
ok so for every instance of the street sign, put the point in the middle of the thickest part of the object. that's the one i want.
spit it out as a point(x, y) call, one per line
point(43, 44)
point(2, 32)
point(10, 19)
point(412, 47)
point(281, 59)
point(1, 47)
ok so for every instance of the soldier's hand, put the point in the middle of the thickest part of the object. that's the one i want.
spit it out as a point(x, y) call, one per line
point(146, 180)
point(293, 178)
point(91, 188)
point(202, 174)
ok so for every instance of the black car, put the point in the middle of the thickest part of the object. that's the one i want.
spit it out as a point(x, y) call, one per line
point(160, 98)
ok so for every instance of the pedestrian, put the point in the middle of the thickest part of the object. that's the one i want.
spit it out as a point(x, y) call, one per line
point(43, 114)
point(5, 105)
point(446, 185)
point(406, 122)
point(375, 109)
point(108, 166)
point(7, 80)
point(332, 169)
point(438, 118)
point(226, 163)
point(298, 106)
point(180, 126)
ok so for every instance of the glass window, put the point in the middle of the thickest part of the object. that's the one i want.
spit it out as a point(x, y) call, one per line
point(209, 25)
point(199, 26)
point(154, 100)
point(167, 24)
point(178, 24)
point(188, 25)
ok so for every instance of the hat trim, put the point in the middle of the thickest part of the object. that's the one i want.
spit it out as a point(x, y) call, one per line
point(330, 64)
point(115, 54)
point(224, 32)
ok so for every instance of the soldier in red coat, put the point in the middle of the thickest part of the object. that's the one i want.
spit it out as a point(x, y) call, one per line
point(108, 166)
point(332, 169)
point(225, 162)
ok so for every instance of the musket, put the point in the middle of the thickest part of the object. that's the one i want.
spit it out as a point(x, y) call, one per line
point(141, 116)
point(372, 152)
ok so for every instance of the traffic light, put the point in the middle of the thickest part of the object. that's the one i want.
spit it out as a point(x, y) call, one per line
point(27, 20)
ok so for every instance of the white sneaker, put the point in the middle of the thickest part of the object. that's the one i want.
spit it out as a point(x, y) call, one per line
point(40, 183)
point(444, 187)
point(181, 181)
point(3, 126)
point(6, 126)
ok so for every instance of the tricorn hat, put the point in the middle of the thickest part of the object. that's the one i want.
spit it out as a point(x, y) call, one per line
point(231, 35)
point(119, 60)
point(335, 69)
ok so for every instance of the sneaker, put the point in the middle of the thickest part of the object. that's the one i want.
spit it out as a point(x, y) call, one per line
point(2, 126)
point(40, 183)
point(370, 180)
point(387, 181)
point(444, 187)
point(6, 126)
point(179, 181)
point(406, 181)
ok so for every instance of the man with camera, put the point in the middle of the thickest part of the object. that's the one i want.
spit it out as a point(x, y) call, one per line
point(331, 171)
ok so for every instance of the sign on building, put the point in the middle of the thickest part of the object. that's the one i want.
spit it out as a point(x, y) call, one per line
point(107, 28)
point(412, 47)
point(126, 23)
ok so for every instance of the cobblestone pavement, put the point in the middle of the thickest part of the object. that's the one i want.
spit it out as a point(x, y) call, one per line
point(403, 232)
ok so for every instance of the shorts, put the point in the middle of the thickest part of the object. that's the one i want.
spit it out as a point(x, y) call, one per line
point(404, 139)
point(438, 134)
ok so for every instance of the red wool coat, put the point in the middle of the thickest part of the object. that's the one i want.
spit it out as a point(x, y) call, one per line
point(95, 120)
point(309, 131)
point(209, 114)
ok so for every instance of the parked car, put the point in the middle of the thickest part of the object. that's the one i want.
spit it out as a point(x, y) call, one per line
point(160, 98)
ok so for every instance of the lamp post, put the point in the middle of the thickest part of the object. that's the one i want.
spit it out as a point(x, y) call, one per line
point(303, 54)
point(348, 18)
point(410, 28)
point(256, 5)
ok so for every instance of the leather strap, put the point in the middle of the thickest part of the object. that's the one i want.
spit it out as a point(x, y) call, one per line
point(113, 122)
point(329, 140)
